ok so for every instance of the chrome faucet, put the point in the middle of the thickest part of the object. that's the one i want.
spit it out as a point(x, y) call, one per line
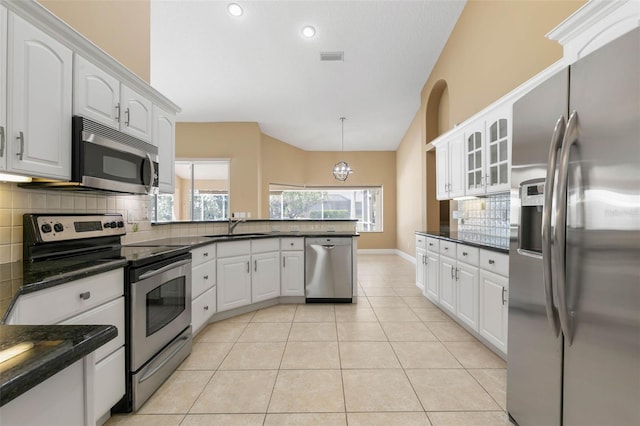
point(233, 223)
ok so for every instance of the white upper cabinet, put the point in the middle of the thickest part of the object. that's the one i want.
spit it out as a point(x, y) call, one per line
point(96, 94)
point(442, 171)
point(39, 80)
point(450, 167)
point(164, 135)
point(498, 153)
point(135, 114)
point(3, 88)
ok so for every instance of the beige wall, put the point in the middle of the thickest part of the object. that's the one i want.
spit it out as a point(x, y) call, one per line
point(494, 47)
point(120, 28)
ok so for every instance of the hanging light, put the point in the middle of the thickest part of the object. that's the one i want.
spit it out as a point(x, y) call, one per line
point(341, 170)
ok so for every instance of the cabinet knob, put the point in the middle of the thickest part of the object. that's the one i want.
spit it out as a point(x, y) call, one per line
point(491, 261)
point(85, 295)
point(464, 253)
point(446, 248)
point(205, 254)
point(206, 308)
point(291, 244)
point(206, 277)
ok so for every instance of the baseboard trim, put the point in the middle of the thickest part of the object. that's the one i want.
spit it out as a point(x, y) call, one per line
point(397, 252)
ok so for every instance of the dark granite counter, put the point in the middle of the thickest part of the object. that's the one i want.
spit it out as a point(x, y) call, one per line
point(54, 348)
point(459, 238)
point(24, 277)
point(250, 220)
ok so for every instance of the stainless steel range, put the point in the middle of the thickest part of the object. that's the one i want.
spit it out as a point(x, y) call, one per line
point(157, 291)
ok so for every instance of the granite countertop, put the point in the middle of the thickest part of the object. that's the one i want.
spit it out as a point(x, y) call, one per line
point(55, 347)
point(19, 278)
point(458, 238)
point(251, 220)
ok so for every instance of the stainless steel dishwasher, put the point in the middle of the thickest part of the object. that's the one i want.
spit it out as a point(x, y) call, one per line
point(328, 270)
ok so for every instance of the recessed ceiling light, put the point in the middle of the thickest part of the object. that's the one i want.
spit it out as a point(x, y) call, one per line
point(235, 9)
point(308, 31)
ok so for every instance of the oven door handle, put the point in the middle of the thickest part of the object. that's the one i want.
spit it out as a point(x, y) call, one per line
point(179, 345)
point(155, 272)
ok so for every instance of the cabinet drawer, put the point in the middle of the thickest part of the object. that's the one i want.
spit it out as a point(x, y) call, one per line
point(494, 262)
point(468, 254)
point(291, 244)
point(448, 248)
point(433, 244)
point(265, 245)
point(202, 308)
point(234, 248)
point(203, 254)
point(421, 241)
point(55, 304)
point(109, 313)
point(109, 382)
point(203, 277)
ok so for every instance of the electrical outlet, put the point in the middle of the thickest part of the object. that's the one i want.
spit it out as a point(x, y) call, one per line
point(131, 216)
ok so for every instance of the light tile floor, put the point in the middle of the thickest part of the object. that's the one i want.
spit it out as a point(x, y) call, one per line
point(392, 359)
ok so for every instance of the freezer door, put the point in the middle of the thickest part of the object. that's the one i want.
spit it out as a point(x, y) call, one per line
point(602, 362)
point(534, 368)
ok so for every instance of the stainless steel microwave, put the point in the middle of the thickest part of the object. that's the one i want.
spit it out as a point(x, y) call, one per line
point(106, 159)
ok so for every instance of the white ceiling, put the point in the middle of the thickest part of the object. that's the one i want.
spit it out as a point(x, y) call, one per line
point(258, 68)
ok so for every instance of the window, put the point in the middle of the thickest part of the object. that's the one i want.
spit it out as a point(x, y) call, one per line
point(364, 204)
point(201, 193)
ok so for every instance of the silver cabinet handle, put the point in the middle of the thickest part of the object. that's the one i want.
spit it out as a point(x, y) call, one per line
point(1, 141)
point(329, 246)
point(248, 267)
point(155, 272)
point(547, 207)
point(255, 265)
point(20, 138)
point(452, 272)
point(85, 295)
point(118, 112)
point(126, 117)
point(284, 262)
point(560, 205)
point(457, 272)
point(504, 292)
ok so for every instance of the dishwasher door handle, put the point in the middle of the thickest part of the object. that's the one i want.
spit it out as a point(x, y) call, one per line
point(329, 246)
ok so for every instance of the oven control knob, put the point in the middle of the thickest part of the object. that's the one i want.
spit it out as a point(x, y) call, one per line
point(58, 227)
point(107, 225)
point(120, 224)
point(114, 225)
point(46, 228)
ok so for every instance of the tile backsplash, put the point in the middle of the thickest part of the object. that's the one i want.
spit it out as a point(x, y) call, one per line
point(15, 201)
point(485, 220)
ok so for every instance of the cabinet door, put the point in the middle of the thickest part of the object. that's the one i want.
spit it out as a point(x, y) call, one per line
point(234, 282)
point(136, 114)
point(164, 137)
point(203, 277)
point(447, 283)
point(432, 285)
point(467, 294)
point(3, 88)
point(292, 273)
point(498, 153)
point(39, 103)
point(202, 308)
point(109, 386)
point(494, 308)
point(442, 172)
point(474, 160)
point(421, 261)
point(456, 166)
point(96, 94)
point(265, 281)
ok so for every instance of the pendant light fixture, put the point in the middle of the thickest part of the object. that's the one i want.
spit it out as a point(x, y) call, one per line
point(341, 170)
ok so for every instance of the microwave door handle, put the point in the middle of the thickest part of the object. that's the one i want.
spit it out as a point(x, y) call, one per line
point(560, 205)
point(152, 173)
point(547, 258)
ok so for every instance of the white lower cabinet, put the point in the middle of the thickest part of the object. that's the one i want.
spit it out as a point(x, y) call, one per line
point(265, 278)
point(494, 308)
point(431, 274)
point(234, 282)
point(109, 382)
point(202, 308)
point(292, 273)
point(467, 294)
point(447, 272)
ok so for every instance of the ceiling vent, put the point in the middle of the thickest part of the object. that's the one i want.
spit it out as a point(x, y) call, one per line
point(332, 56)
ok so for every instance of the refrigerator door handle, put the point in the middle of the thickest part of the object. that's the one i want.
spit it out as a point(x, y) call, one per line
point(547, 257)
point(560, 204)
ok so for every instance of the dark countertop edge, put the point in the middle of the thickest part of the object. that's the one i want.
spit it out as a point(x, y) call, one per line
point(197, 222)
point(62, 279)
point(20, 382)
point(469, 243)
point(240, 237)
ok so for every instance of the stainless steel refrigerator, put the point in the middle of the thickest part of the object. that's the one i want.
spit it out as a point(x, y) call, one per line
point(574, 304)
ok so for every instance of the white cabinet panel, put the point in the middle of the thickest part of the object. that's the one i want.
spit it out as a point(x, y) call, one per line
point(456, 167)
point(96, 94)
point(3, 88)
point(164, 136)
point(432, 282)
point(442, 172)
point(494, 308)
point(234, 248)
point(498, 150)
point(136, 114)
point(109, 383)
point(467, 294)
point(494, 262)
point(39, 95)
point(421, 260)
point(234, 282)
point(203, 277)
point(447, 283)
point(202, 308)
point(265, 279)
point(292, 273)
